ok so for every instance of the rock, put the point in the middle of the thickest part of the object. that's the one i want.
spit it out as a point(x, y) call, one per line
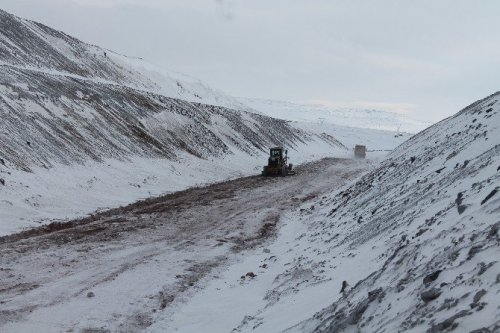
point(432, 277)
point(448, 304)
point(90, 294)
point(473, 251)
point(377, 293)
point(266, 251)
point(431, 294)
point(251, 274)
point(490, 195)
point(345, 285)
point(448, 323)
point(460, 208)
point(439, 171)
point(358, 311)
point(494, 230)
point(2, 181)
point(420, 232)
point(484, 267)
point(479, 295)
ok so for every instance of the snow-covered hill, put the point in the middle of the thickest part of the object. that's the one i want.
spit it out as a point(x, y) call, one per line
point(360, 118)
point(84, 128)
point(30, 45)
point(412, 246)
point(420, 234)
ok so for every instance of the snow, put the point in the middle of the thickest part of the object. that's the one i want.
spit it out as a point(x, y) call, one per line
point(62, 192)
point(420, 217)
point(229, 300)
point(317, 113)
point(410, 226)
point(389, 230)
point(52, 52)
point(72, 144)
point(177, 85)
point(146, 262)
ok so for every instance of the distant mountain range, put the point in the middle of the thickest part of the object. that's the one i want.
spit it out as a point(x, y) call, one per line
point(317, 113)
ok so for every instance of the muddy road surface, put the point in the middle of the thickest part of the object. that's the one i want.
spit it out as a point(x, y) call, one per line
point(117, 270)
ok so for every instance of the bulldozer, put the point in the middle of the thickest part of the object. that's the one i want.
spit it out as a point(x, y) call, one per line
point(277, 163)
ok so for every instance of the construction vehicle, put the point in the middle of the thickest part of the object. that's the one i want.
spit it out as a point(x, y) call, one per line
point(277, 163)
point(360, 151)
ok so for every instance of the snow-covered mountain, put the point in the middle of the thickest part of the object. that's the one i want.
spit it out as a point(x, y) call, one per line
point(31, 45)
point(412, 246)
point(360, 118)
point(79, 120)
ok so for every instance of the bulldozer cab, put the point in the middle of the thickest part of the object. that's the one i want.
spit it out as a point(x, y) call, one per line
point(276, 156)
point(277, 153)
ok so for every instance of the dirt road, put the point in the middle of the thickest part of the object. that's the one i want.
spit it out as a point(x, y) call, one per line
point(116, 270)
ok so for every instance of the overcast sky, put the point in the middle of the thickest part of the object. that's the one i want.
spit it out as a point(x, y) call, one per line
point(427, 58)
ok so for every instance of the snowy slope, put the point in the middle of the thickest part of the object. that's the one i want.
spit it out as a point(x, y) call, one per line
point(84, 128)
point(76, 120)
point(416, 240)
point(27, 44)
point(360, 118)
point(426, 222)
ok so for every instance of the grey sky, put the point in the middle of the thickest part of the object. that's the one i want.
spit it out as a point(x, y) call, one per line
point(428, 58)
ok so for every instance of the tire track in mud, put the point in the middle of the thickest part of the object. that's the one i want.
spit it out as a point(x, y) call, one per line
point(172, 242)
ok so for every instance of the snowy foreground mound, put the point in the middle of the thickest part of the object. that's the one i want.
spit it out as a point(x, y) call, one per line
point(425, 226)
point(416, 241)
